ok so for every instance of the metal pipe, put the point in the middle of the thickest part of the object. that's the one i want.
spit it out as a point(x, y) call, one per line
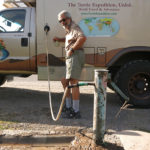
point(99, 114)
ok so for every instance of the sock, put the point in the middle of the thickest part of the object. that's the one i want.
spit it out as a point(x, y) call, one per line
point(76, 105)
point(68, 102)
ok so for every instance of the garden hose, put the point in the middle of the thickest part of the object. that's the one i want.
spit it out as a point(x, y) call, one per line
point(46, 29)
point(80, 84)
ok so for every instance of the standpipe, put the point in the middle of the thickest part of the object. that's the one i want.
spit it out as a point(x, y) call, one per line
point(99, 113)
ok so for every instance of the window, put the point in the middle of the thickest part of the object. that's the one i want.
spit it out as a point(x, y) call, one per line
point(12, 21)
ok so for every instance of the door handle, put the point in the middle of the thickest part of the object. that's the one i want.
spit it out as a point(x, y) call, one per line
point(24, 42)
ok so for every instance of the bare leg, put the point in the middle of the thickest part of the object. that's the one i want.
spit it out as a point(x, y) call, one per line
point(65, 83)
point(75, 96)
point(75, 91)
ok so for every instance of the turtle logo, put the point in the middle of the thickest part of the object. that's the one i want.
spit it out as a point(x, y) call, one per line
point(3, 50)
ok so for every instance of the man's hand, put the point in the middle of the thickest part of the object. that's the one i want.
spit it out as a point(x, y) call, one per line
point(70, 52)
point(56, 39)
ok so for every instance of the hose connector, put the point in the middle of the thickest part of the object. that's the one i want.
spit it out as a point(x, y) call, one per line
point(80, 84)
point(47, 28)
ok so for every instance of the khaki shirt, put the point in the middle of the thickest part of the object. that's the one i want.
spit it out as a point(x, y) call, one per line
point(72, 35)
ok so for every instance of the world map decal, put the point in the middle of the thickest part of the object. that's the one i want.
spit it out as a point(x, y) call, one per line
point(99, 26)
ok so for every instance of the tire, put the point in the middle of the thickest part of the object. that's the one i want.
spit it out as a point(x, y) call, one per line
point(134, 80)
point(2, 79)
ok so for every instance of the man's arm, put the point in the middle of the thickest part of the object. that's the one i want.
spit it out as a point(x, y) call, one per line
point(59, 39)
point(79, 43)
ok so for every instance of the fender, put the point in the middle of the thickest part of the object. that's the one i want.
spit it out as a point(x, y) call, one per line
point(122, 51)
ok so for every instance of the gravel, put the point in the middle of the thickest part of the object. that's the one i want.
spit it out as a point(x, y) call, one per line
point(24, 111)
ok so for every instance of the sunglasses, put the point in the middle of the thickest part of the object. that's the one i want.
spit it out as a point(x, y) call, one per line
point(62, 20)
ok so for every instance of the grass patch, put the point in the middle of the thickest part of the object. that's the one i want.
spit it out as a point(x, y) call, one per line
point(7, 120)
point(5, 125)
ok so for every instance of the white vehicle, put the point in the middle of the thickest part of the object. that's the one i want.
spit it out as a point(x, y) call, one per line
point(117, 39)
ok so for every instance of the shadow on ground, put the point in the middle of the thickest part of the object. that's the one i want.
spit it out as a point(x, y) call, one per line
point(30, 106)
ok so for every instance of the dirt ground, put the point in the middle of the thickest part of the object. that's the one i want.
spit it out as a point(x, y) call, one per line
point(24, 110)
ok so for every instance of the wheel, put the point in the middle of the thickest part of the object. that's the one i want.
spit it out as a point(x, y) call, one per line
point(134, 80)
point(2, 79)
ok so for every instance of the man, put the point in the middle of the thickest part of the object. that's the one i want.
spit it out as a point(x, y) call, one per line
point(74, 41)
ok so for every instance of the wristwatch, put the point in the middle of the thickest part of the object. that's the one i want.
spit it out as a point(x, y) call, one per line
point(72, 50)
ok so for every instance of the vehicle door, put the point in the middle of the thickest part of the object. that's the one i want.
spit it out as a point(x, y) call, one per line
point(14, 39)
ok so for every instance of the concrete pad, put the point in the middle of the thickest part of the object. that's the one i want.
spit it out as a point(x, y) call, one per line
point(134, 140)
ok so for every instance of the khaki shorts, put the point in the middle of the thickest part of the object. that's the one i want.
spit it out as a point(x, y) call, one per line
point(74, 64)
